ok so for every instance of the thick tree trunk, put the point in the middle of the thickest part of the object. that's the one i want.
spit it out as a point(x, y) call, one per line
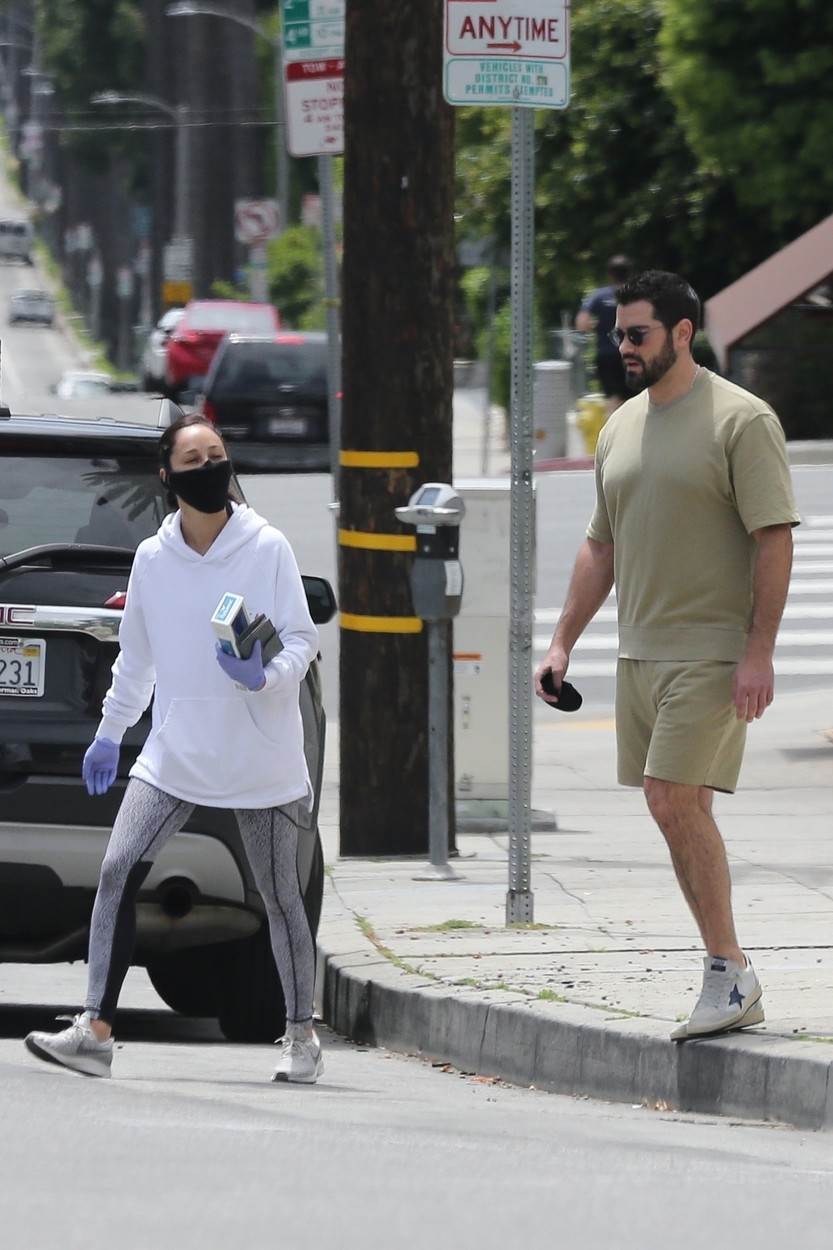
point(397, 343)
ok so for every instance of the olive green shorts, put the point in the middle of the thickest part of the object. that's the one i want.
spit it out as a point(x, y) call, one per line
point(675, 720)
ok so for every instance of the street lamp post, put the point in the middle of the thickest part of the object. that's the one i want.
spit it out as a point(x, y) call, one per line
point(179, 114)
point(187, 8)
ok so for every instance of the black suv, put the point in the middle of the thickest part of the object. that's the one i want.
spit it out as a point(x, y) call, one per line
point(76, 499)
point(268, 398)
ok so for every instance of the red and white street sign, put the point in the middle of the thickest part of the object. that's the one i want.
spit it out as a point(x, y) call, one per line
point(315, 107)
point(255, 221)
point(526, 28)
point(507, 52)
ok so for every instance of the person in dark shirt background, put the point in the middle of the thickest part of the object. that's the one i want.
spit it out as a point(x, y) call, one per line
point(598, 312)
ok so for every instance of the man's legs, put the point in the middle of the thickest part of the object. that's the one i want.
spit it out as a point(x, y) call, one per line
point(683, 814)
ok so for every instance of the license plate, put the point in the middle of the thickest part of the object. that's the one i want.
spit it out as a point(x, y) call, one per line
point(22, 666)
point(287, 425)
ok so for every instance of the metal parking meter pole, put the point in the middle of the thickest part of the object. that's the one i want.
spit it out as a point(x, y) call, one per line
point(436, 511)
point(333, 303)
point(519, 897)
point(438, 744)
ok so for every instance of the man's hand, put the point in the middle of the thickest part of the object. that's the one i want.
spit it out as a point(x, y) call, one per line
point(556, 661)
point(753, 686)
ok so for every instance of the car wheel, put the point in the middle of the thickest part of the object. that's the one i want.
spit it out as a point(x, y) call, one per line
point(188, 980)
point(148, 383)
point(252, 1007)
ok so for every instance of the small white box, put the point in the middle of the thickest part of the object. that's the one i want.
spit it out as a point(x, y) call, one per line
point(229, 621)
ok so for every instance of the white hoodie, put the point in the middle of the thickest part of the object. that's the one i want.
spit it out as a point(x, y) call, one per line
point(211, 742)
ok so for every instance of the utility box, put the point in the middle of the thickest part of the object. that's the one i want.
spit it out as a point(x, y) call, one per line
point(481, 652)
point(552, 398)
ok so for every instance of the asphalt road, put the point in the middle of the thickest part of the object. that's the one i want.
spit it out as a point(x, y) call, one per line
point(191, 1145)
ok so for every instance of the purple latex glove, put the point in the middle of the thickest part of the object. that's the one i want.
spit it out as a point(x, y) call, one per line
point(248, 673)
point(100, 764)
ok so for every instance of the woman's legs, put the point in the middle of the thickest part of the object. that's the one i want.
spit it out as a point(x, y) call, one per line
point(147, 818)
point(270, 836)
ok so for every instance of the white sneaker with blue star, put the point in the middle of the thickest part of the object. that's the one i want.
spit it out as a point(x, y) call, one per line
point(730, 999)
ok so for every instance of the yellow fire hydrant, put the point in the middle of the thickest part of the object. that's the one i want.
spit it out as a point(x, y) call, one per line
point(590, 417)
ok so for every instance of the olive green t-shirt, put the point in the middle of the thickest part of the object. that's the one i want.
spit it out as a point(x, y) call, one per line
point(679, 489)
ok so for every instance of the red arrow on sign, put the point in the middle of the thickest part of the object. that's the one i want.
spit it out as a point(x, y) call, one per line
point(512, 47)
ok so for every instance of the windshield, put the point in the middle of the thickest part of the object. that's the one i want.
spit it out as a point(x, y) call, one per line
point(107, 501)
point(238, 319)
point(248, 367)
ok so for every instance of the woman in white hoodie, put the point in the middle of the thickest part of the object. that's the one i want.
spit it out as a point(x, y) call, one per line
point(225, 732)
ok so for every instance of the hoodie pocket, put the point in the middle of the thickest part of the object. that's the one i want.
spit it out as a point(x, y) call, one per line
point(212, 749)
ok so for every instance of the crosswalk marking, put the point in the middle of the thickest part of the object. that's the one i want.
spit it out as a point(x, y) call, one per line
point(784, 667)
point(610, 642)
point(808, 585)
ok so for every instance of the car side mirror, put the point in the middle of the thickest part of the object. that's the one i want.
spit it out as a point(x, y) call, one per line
point(321, 600)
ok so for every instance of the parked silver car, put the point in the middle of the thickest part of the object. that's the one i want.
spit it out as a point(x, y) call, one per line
point(153, 357)
point(34, 306)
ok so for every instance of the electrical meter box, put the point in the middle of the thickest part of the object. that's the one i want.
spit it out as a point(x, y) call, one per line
point(481, 652)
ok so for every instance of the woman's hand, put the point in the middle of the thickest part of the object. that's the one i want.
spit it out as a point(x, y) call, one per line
point(100, 765)
point(249, 673)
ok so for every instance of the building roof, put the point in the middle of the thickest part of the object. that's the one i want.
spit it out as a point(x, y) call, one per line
point(771, 286)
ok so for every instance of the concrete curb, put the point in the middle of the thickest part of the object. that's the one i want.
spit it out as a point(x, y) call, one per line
point(567, 1048)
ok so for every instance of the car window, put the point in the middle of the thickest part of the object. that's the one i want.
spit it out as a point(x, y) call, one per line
point(238, 319)
point(247, 367)
point(87, 499)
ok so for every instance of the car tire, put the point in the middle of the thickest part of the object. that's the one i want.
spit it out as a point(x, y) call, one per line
point(188, 981)
point(149, 384)
point(252, 1003)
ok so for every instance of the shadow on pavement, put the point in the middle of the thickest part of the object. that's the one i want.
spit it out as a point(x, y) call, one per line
point(132, 1025)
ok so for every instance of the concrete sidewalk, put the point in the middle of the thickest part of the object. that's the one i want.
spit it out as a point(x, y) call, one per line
point(471, 432)
point(584, 1001)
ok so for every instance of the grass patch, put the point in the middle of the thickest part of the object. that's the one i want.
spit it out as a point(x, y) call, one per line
point(550, 996)
point(531, 926)
point(367, 930)
point(448, 926)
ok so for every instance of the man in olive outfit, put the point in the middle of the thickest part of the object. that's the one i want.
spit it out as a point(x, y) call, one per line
point(693, 522)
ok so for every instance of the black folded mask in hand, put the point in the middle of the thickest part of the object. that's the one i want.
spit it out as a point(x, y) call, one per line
point(569, 699)
point(262, 630)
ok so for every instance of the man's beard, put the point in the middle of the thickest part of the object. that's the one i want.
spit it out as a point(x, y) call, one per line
point(653, 370)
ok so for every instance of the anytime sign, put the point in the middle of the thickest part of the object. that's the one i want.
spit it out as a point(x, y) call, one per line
point(507, 52)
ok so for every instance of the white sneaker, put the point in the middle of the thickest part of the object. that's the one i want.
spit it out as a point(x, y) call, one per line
point(730, 999)
point(300, 1059)
point(76, 1047)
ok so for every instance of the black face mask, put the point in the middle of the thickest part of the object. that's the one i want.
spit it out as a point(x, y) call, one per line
point(205, 488)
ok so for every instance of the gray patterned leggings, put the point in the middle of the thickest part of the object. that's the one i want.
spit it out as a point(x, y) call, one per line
point(147, 819)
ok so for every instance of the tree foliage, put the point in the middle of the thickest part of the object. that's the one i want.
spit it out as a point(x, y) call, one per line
point(295, 262)
point(90, 46)
point(752, 81)
point(614, 172)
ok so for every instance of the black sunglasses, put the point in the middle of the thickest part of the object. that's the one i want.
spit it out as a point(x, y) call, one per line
point(634, 334)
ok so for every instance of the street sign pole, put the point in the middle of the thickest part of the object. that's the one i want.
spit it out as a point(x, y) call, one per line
point(325, 187)
point(313, 68)
point(517, 53)
point(519, 897)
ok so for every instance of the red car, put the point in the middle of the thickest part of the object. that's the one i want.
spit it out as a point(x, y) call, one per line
point(200, 331)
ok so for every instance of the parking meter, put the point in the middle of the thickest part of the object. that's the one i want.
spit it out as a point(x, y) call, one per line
point(436, 511)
